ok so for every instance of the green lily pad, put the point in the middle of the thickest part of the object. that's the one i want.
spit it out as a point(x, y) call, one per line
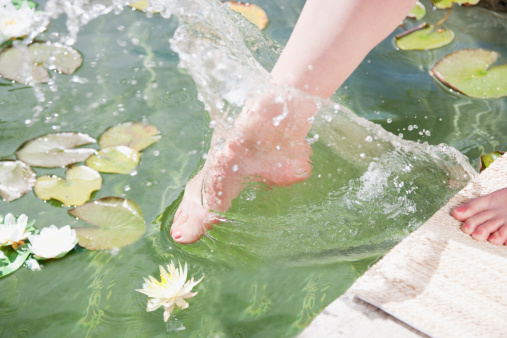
point(19, 3)
point(76, 190)
point(424, 37)
point(115, 160)
point(135, 135)
point(11, 260)
point(418, 12)
point(20, 67)
point(117, 222)
point(487, 159)
point(468, 72)
point(16, 178)
point(445, 4)
point(55, 150)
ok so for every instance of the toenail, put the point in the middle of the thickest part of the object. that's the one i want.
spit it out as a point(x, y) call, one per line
point(461, 209)
point(177, 234)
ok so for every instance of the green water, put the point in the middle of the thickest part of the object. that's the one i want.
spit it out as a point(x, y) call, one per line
point(284, 254)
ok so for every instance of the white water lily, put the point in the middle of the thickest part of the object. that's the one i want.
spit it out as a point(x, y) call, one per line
point(52, 242)
point(171, 291)
point(14, 22)
point(12, 230)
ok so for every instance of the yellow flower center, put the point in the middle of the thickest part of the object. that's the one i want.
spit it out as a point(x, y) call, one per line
point(163, 281)
point(11, 22)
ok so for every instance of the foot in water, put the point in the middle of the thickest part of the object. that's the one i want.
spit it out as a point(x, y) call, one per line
point(485, 217)
point(262, 149)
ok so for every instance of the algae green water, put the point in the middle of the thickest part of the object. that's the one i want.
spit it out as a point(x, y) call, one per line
point(284, 254)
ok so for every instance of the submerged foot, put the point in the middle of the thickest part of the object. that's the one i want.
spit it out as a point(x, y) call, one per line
point(485, 217)
point(259, 151)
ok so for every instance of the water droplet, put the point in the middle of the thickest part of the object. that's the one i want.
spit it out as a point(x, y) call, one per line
point(368, 138)
point(389, 120)
point(235, 168)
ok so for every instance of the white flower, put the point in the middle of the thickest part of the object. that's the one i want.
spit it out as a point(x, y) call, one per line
point(12, 230)
point(172, 289)
point(14, 22)
point(52, 242)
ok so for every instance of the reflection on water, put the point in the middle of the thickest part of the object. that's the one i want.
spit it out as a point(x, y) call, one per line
point(284, 253)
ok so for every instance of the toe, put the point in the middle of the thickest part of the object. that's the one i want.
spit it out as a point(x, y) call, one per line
point(472, 223)
point(483, 231)
point(500, 236)
point(472, 208)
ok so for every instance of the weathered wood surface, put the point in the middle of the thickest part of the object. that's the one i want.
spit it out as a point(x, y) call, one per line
point(441, 281)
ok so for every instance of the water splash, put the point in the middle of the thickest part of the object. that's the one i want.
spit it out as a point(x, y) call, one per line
point(380, 177)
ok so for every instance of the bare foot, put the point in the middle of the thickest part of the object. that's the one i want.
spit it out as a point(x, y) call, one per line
point(262, 148)
point(485, 217)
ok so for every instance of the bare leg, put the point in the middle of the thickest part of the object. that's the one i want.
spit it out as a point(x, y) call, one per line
point(330, 40)
point(485, 217)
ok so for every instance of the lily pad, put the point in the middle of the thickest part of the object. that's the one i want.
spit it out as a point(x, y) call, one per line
point(16, 179)
point(114, 160)
point(11, 260)
point(418, 12)
point(30, 67)
point(76, 190)
point(135, 135)
point(468, 72)
point(55, 56)
point(141, 5)
point(424, 37)
point(445, 4)
point(17, 66)
point(117, 222)
point(251, 12)
point(19, 3)
point(56, 150)
point(487, 159)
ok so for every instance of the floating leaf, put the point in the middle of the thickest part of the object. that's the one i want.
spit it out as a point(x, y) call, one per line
point(135, 135)
point(76, 190)
point(115, 160)
point(55, 150)
point(11, 260)
point(118, 222)
point(29, 67)
point(444, 4)
point(424, 37)
point(19, 3)
point(141, 5)
point(468, 71)
point(251, 12)
point(418, 12)
point(487, 159)
point(55, 56)
point(17, 66)
point(16, 178)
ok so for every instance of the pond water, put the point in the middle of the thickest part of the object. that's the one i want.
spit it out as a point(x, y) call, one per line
point(284, 254)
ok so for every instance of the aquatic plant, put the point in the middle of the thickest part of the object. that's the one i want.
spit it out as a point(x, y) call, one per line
point(16, 22)
point(171, 291)
point(13, 230)
point(116, 221)
point(469, 72)
point(52, 242)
